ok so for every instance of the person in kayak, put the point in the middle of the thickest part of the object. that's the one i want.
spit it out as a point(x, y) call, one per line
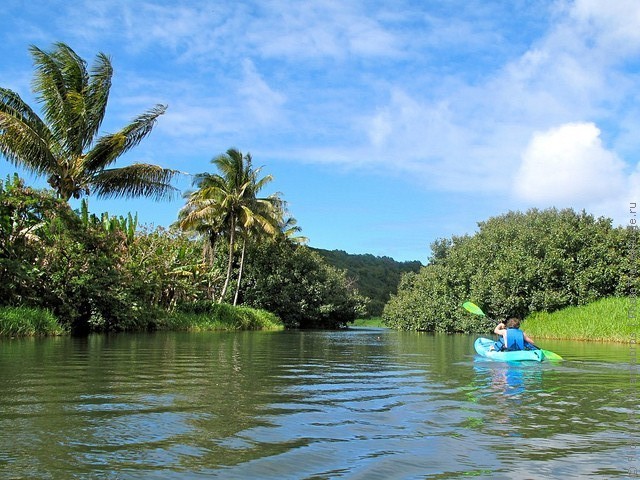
point(511, 337)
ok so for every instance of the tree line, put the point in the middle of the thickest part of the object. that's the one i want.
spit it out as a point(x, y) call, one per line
point(376, 278)
point(230, 244)
point(516, 264)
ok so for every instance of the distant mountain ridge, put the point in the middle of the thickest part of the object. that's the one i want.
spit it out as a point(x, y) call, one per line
point(375, 277)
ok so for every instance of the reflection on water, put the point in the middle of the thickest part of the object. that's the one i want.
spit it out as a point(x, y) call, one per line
point(363, 403)
point(503, 379)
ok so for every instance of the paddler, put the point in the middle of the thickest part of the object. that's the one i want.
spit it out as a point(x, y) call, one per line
point(511, 337)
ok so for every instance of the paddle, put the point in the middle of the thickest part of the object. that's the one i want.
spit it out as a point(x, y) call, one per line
point(476, 310)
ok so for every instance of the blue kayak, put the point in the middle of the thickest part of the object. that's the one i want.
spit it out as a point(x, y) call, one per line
point(483, 348)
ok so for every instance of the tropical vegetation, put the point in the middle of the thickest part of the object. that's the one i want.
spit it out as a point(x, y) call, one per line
point(25, 321)
point(64, 145)
point(295, 283)
point(516, 264)
point(106, 273)
point(226, 205)
point(234, 258)
point(376, 278)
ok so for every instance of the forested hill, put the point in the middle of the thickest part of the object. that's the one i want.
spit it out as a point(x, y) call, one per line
point(376, 277)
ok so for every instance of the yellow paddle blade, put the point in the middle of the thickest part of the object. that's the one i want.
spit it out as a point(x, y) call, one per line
point(548, 355)
point(473, 308)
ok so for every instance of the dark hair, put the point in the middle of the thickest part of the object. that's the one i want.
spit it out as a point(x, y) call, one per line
point(513, 323)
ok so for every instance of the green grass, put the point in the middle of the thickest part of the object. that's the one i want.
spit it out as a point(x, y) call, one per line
point(222, 317)
point(603, 320)
point(369, 322)
point(25, 322)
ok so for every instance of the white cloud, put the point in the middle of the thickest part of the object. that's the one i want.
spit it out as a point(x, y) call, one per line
point(470, 136)
point(452, 120)
point(614, 26)
point(263, 102)
point(320, 28)
point(632, 193)
point(569, 165)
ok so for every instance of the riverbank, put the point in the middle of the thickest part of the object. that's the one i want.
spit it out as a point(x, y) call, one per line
point(221, 317)
point(26, 322)
point(374, 322)
point(606, 320)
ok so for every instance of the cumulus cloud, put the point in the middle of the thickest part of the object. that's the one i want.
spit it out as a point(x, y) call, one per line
point(451, 99)
point(478, 130)
point(569, 165)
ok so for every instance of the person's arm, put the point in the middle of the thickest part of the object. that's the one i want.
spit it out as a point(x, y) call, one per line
point(527, 338)
point(499, 329)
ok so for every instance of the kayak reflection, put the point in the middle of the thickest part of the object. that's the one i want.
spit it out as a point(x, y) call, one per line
point(506, 378)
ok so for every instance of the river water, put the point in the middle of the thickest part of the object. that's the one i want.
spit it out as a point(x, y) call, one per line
point(355, 404)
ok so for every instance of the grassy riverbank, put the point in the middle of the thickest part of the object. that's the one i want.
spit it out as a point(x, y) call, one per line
point(31, 322)
point(28, 322)
point(222, 317)
point(375, 322)
point(604, 320)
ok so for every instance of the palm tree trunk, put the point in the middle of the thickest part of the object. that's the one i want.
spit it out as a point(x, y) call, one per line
point(230, 264)
point(244, 247)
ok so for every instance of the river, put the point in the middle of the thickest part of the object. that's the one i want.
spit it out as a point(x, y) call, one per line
point(354, 404)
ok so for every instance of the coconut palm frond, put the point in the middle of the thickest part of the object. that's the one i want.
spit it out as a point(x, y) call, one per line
point(109, 147)
point(97, 96)
point(61, 84)
point(49, 86)
point(201, 219)
point(74, 103)
point(137, 180)
point(24, 138)
point(290, 230)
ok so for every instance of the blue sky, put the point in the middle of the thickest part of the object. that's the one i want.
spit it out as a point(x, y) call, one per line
point(386, 124)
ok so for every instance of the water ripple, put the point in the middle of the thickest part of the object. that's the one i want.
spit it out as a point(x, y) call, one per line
point(296, 405)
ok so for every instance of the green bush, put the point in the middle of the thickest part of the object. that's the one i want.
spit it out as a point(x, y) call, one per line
point(299, 287)
point(370, 322)
point(516, 264)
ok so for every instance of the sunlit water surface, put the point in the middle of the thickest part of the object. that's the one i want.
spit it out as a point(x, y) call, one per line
point(356, 404)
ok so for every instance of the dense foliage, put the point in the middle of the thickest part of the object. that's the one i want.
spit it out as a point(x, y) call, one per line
point(515, 264)
point(107, 274)
point(376, 278)
point(89, 271)
point(303, 290)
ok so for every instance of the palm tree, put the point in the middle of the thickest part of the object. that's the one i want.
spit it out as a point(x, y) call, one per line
point(227, 204)
point(64, 146)
point(290, 229)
